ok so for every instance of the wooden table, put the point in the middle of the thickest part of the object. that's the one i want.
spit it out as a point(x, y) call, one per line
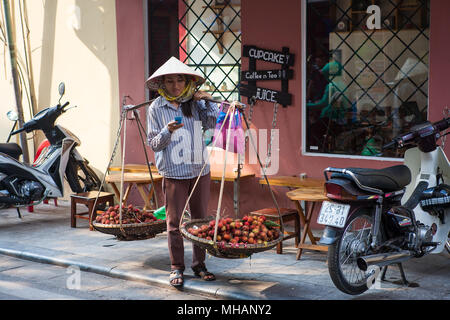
point(293, 182)
point(216, 175)
point(312, 197)
point(140, 179)
point(131, 167)
point(309, 190)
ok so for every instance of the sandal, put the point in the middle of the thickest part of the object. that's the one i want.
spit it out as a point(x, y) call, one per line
point(201, 272)
point(176, 274)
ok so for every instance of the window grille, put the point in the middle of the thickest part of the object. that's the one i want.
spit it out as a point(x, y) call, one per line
point(210, 41)
point(376, 79)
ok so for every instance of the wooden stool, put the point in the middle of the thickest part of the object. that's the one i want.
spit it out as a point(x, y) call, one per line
point(312, 197)
point(286, 215)
point(87, 198)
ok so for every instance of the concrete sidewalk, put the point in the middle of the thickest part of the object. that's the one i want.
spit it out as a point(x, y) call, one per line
point(46, 236)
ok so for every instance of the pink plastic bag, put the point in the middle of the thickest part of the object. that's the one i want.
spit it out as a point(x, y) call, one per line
point(236, 143)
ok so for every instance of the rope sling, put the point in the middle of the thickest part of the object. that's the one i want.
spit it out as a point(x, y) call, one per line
point(148, 230)
point(132, 231)
point(213, 247)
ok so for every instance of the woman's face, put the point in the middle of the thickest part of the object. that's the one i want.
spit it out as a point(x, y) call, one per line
point(174, 84)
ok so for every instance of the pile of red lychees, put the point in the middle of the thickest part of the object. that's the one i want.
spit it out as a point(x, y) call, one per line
point(248, 230)
point(130, 214)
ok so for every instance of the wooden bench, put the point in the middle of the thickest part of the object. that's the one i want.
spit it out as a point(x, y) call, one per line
point(286, 215)
point(87, 198)
point(132, 167)
point(138, 179)
point(216, 175)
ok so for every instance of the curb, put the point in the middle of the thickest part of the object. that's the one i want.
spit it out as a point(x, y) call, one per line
point(207, 289)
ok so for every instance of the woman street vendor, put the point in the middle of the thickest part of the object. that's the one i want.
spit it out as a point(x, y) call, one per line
point(173, 121)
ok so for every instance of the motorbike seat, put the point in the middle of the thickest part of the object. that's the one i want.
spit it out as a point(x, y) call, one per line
point(388, 179)
point(11, 149)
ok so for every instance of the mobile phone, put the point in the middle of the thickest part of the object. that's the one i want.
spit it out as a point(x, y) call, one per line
point(178, 119)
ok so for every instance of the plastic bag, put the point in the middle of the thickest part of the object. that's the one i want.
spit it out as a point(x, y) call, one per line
point(160, 213)
point(236, 143)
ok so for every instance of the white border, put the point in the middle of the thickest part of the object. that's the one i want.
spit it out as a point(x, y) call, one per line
point(303, 104)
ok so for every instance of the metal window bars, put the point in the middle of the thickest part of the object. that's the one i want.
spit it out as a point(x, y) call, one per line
point(403, 20)
point(197, 22)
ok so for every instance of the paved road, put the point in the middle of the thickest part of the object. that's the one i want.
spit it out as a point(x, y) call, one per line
point(27, 280)
point(46, 236)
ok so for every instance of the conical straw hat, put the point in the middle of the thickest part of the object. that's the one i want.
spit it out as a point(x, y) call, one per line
point(172, 66)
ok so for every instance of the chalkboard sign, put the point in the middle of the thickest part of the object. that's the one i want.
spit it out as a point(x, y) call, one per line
point(265, 94)
point(251, 90)
point(268, 55)
point(280, 74)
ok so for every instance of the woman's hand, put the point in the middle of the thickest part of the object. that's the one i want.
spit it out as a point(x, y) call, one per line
point(202, 95)
point(173, 125)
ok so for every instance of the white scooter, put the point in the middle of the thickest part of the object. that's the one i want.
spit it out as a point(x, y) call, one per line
point(379, 217)
point(22, 184)
point(430, 170)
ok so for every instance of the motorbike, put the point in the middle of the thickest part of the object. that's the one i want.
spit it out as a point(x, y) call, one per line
point(24, 184)
point(379, 217)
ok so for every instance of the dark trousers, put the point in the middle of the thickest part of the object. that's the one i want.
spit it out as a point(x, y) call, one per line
point(176, 193)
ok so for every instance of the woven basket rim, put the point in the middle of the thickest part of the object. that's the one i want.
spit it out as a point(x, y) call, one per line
point(127, 225)
point(235, 247)
point(133, 231)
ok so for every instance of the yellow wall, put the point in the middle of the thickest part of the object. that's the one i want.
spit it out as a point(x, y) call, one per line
point(72, 41)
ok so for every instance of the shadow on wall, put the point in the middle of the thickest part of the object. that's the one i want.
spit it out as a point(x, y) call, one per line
point(92, 22)
point(47, 58)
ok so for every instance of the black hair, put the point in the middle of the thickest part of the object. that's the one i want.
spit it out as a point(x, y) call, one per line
point(186, 108)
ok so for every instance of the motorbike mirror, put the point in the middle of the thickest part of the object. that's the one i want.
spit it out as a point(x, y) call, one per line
point(12, 115)
point(61, 89)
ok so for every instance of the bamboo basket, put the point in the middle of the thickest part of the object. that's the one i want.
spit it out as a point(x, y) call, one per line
point(225, 250)
point(132, 231)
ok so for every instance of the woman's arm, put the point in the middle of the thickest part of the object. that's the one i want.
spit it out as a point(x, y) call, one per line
point(208, 111)
point(157, 138)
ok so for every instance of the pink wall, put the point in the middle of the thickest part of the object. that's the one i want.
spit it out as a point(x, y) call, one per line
point(272, 25)
point(131, 55)
point(131, 58)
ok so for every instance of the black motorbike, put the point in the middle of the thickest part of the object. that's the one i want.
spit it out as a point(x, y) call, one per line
point(24, 184)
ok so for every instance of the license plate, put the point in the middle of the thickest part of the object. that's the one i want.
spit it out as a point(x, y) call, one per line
point(333, 214)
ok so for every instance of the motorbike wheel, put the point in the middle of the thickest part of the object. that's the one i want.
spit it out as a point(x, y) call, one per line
point(342, 255)
point(81, 177)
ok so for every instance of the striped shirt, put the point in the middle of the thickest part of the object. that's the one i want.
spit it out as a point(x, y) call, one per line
point(179, 155)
